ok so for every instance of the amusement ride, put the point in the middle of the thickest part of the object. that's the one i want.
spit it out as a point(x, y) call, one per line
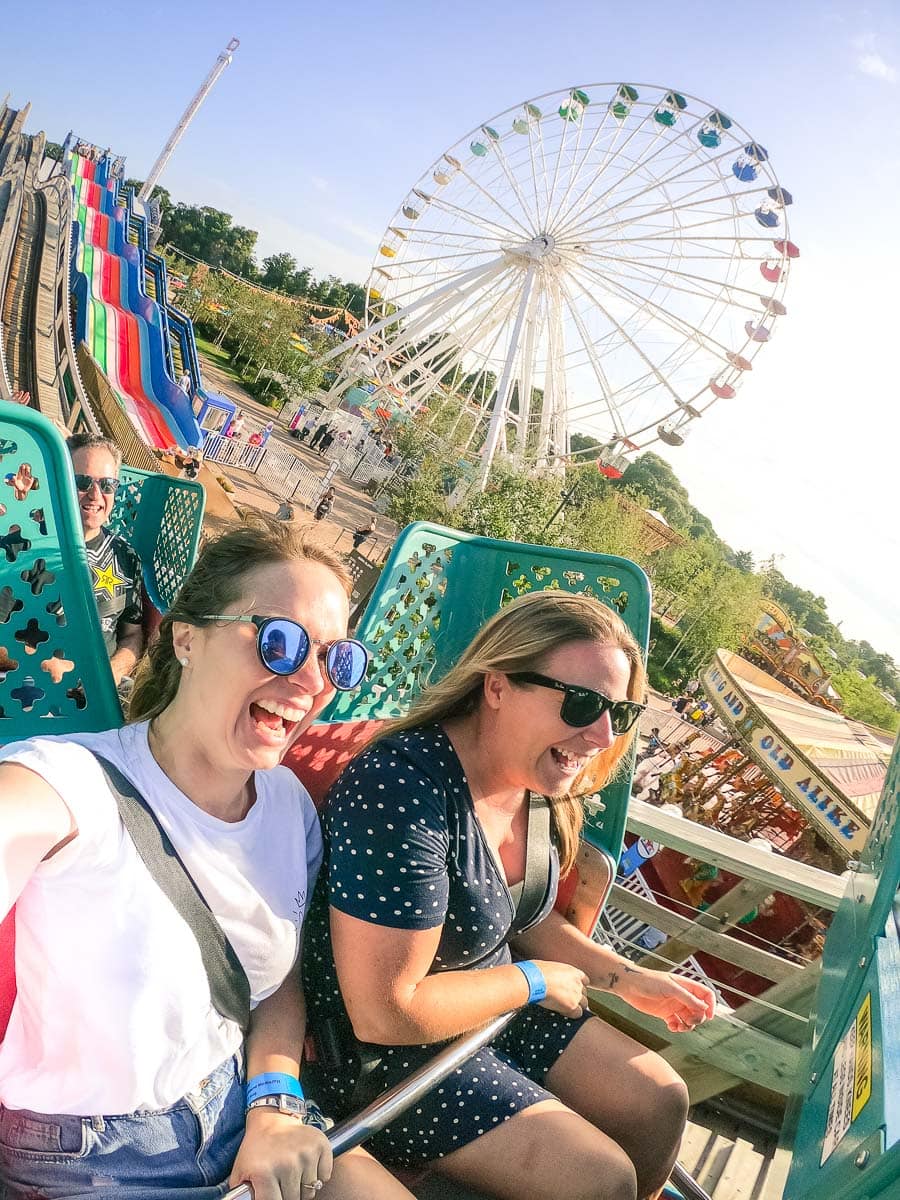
point(609, 257)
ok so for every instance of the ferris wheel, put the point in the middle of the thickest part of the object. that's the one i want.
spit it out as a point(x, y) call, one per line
point(607, 259)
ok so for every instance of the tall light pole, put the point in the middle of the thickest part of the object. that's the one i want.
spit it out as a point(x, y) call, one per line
point(187, 116)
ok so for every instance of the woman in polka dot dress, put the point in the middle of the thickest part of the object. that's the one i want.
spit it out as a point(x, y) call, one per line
point(409, 936)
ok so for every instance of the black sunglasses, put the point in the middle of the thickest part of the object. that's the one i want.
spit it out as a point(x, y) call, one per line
point(284, 645)
point(582, 706)
point(106, 483)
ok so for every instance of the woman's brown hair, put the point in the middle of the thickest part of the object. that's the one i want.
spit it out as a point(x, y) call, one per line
point(519, 638)
point(219, 578)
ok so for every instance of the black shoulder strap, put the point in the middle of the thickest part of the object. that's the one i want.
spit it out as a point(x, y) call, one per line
point(228, 983)
point(529, 895)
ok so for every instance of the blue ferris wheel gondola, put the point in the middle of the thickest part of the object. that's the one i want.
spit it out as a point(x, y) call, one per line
point(780, 195)
point(766, 217)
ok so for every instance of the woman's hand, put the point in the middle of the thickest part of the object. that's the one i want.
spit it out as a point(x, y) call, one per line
point(566, 988)
point(280, 1157)
point(681, 1002)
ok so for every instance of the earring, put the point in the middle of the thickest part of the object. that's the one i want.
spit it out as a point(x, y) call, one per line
point(184, 661)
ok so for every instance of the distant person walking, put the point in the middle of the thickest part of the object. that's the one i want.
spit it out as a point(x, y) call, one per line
point(362, 534)
point(236, 427)
point(319, 434)
point(325, 505)
point(327, 439)
point(185, 382)
point(308, 426)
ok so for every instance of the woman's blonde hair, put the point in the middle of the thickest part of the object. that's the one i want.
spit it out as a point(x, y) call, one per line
point(520, 638)
point(219, 578)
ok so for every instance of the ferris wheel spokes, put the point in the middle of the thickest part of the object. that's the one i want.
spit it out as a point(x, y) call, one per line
point(589, 262)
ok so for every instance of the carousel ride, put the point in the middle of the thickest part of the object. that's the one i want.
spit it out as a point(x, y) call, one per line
point(783, 773)
point(609, 257)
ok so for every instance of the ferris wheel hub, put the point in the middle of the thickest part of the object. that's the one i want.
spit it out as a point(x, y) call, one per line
point(537, 250)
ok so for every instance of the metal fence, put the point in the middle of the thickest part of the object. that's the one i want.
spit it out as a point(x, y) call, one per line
point(233, 452)
point(286, 475)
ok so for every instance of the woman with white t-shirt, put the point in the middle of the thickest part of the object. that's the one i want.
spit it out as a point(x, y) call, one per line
point(114, 1012)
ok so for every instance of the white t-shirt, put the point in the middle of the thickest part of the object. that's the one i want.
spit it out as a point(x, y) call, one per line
point(113, 1011)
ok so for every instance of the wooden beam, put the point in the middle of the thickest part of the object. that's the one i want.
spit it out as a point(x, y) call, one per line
point(723, 914)
point(781, 874)
point(729, 1050)
point(728, 1046)
point(705, 933)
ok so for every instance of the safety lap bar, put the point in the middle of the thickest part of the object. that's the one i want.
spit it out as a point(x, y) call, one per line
point(385, 1108)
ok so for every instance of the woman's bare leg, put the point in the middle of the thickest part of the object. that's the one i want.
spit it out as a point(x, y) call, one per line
point(630, 1093)
point(545, 1150)
point(357, 1176)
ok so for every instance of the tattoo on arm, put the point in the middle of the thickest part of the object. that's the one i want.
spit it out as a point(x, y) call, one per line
point(613, 980)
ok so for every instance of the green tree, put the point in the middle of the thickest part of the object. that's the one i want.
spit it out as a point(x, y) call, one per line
point(279, 271)
point(159, 193)
point(864, 702)
point(743, 560)
point(652, 477)
point(209, 234)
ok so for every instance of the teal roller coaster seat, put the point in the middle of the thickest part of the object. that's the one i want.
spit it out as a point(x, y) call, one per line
point(438, 588)
point(54, 674)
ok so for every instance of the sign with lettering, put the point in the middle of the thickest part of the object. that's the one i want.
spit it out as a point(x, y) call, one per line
point(851, 1079)
point(794, 774)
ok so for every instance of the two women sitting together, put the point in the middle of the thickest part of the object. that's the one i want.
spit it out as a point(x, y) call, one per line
point(120, 1077)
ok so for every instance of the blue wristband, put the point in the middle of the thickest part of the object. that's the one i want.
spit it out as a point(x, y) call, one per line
point(537, 984)
point(273, 1083)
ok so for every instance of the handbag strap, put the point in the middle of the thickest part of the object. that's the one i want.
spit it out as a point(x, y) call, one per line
point(228, 983)
point(529, 895)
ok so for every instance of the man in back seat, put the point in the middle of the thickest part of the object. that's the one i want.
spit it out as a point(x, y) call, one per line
point(115, 567)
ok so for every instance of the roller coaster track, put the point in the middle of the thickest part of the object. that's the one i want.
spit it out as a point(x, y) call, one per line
point(37, 353)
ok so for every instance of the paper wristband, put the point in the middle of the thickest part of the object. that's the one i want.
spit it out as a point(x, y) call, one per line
point(537, 984)
point(274, 1083)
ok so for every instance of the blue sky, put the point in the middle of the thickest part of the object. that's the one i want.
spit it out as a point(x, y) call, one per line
point(330, 112)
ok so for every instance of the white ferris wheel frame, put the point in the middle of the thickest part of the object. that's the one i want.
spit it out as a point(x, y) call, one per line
point(533, 290)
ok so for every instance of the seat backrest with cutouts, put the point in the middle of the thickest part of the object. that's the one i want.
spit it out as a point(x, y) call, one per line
point(54, 669)
point(438, 588)
point(161, 518)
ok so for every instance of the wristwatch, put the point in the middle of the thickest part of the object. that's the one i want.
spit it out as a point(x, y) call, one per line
point(294, 1106)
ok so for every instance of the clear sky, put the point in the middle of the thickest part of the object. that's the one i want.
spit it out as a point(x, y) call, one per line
point(330, 112)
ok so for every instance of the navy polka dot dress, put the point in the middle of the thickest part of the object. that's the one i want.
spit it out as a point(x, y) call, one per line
point(403, 848)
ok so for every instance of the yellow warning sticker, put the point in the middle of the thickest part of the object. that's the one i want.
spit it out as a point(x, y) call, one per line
point(851, 1080)
point(862, 1077)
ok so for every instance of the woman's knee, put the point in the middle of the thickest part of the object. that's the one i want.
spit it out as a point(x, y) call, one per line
point(609, 1176)
point(671, 1100)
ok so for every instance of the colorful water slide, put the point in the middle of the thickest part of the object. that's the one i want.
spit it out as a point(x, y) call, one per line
point(124, 328)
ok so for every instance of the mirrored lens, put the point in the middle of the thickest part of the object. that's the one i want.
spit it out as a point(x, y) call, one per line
point(624, 714)
point(346, 663)
point(283, 646)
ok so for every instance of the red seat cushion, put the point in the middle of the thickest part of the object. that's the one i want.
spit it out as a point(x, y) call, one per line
point(323, 751)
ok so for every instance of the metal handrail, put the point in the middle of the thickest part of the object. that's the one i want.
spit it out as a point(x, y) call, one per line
point(375, 1116)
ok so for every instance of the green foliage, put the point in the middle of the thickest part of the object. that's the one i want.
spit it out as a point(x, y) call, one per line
point(53, 150)
point(514, 508)
point(864, 702)
point(160, 194)
point(651, 477)
point(209, 234)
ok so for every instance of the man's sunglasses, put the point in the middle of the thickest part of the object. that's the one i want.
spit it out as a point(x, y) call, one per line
point(581, 706)
point(284, 645)
point(106, 483)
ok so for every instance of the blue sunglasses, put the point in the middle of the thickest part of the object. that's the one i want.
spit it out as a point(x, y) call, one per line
point(284, 645)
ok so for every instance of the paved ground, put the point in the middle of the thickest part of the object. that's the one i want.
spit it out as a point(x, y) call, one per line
point(353, 506)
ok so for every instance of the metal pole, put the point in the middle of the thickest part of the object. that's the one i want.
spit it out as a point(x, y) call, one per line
point(504, 387)
point(187, 116)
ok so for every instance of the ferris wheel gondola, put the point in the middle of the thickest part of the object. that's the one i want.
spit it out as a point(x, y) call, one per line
point(590, 259)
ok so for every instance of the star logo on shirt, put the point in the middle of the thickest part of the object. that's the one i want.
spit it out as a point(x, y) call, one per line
point(107, 580)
